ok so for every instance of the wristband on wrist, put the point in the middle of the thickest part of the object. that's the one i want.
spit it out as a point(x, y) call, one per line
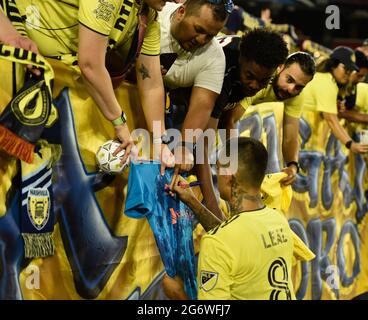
point(118, 121)
point(296, 164)
point(348, 144)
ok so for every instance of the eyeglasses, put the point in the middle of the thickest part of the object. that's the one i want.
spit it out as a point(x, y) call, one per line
point(229, 5)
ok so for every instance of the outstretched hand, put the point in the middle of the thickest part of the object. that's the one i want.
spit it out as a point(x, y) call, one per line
point(127, 143)
point(27, 44)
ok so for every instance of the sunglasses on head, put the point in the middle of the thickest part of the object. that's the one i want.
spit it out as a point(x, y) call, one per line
point(229, 5)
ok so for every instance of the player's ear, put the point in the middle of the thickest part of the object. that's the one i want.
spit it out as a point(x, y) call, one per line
point(229, 179)
point(280, 68)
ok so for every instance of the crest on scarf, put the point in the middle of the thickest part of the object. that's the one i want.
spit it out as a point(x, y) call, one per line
point(38, 207)
point(208, 280)
point(28, 108)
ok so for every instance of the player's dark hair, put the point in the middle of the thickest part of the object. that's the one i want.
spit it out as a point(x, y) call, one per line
point(252, 160)
point(265, 47)
point(304, 60)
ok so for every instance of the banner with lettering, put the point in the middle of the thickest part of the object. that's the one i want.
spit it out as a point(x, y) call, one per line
point(329, 206)
point(102, 254)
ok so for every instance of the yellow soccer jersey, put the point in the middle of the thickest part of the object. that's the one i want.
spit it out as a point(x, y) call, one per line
point(54, 25)
point(247, 257)
point(273, 194)
point(268, 95)
point(362, 97)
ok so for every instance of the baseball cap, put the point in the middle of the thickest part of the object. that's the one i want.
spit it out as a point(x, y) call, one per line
point(346, 56)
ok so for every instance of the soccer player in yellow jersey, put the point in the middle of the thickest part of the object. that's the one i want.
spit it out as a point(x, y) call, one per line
point(248, 256)
point(291, 78)
point(87, 28)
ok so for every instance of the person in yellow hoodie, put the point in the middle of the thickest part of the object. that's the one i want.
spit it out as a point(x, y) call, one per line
point(227, 269)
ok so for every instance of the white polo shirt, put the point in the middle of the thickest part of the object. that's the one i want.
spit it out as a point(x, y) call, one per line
point(202, 68)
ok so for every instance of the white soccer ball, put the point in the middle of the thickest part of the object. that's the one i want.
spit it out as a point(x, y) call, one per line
point(106, 161)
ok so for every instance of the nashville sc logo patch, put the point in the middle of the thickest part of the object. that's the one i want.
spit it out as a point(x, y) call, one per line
point(38, 207)
point(208, 280)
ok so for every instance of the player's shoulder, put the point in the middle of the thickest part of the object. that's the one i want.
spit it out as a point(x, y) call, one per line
point(245, 219)
point(219, 229)
point(241, 219)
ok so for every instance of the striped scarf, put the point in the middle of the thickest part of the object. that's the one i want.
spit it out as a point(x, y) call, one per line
point(22, 122)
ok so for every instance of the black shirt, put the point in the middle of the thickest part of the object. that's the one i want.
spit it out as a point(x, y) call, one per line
point(232, 89)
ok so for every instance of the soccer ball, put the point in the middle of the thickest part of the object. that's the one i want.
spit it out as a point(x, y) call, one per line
point(106, 161)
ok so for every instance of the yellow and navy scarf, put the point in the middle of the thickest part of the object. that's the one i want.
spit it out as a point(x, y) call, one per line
point(21, 125)
point(30, 110)
point(37, 207)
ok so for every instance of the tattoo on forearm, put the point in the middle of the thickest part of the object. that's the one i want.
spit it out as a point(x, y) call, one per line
point(206, 218)
point(144, 72)
point(208, 221)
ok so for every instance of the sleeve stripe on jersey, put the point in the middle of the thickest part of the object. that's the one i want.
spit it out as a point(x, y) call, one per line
point(151, 55)
point(106, 35)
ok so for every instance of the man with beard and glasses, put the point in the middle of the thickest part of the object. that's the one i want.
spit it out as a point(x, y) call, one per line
point(297, 71)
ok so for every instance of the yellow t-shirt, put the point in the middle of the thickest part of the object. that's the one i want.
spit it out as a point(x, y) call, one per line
point(247, 257)
point(319, 95)
point(54, 25)
point(362, 97)
point(268, 95)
